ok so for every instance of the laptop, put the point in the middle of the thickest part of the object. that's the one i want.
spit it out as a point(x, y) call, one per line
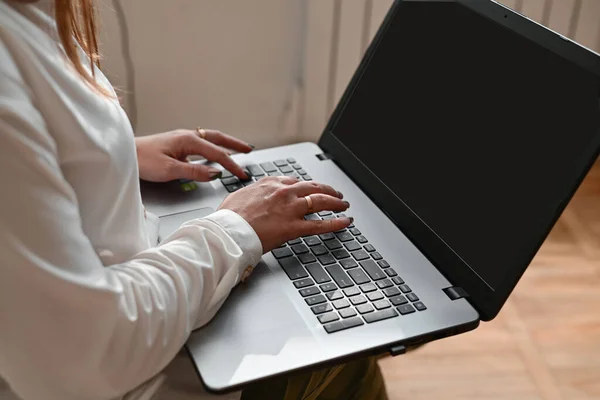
point(461, 138)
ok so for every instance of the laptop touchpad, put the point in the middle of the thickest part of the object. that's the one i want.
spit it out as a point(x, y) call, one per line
point(170, 223)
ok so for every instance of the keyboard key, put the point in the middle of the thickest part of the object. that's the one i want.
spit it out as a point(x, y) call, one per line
point(384, 284)
point(226, 174)
point(328, 217)
point(296, 166)
point(399, 300)
point(310, 291)
point(383, 264)
point(306, 177)
point(397, 280)
point(320, 250)
point(311, 301)
point(376, 256)
point(355, 231)
point(280, 163)
point(300, 249)
point(339, 276)
point(391, 291)
point(352, 246)
point(292, 268)
point(381, 304)
point(373, 270)
point(234, 188)
point(291, 160)
point(351, 291)
point(255, 170)
point(374, 296)
point(369, 247)
point(312, 217)
point(380, 315)
point(275, 173)
point(342, 303)
point(291, 174)
point(412, 297)
point(302, 172)
point(405, 309)
point(348, 263)
point(405, 288)
point(347, 313)
point(325, 213)
point(326, 259)
point(295, 241)
point(327, 287)
point(360, 255)
point(246, 184)
point(368, 287)
point(327, 236)
point(361, 239)
point(321, 308)
point(230, 181)
point(335, 295)
point(307, 258)
point(312, 241)
point(359, 276)
point(364, 309)
point(333, 244)
point(340, 254)
point(329, 317)
point(420, 306)
point(286, 169)
point(304, 283)
point(345, 236)
point(345, 324)
point(318, 273)
point(268, 167)
point(356, 300)
point(282, 252)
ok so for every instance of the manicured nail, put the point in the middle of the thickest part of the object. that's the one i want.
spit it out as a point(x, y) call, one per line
point(346, 204)
point(214, 173)
point(340, 195)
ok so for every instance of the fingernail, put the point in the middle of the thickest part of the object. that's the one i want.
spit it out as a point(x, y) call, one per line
point(252, 146)
point(214, 173)
point(351, 220)
point(346, 204)
point(340, 195)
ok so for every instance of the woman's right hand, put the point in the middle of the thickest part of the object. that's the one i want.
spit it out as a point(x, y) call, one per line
point(275, 208)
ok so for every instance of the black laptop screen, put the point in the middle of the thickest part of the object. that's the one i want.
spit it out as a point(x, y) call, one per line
point(474, 128)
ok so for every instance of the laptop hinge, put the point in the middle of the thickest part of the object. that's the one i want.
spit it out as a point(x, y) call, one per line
point(456, 292)
point(324, 156)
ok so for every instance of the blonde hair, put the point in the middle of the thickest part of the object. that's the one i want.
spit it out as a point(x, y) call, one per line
point(76, 24)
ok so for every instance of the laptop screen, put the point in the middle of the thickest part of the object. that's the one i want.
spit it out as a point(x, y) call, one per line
point(473, 128)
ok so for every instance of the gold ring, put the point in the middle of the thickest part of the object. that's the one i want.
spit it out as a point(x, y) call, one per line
point(309, 203)
point(201, 132)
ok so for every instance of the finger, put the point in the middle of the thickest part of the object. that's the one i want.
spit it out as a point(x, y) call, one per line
point(214, 153)
point(221, 139)
point(308, 228)
point(195, 172)
point(323, 202)
point(307, 188)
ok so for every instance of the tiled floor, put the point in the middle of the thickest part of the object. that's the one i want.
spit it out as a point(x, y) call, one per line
point(545, 344)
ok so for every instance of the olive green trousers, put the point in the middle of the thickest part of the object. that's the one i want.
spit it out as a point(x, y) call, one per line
point(356, 380)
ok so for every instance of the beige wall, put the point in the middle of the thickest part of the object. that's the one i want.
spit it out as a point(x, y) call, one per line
point(269, 71)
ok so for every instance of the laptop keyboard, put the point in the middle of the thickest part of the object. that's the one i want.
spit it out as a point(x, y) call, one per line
point(342, 277)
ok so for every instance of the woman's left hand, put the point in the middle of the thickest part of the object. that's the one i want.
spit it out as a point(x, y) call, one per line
point(163, 157)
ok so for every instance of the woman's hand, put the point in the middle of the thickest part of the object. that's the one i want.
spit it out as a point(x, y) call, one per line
point(275, 208)
point(163, 157)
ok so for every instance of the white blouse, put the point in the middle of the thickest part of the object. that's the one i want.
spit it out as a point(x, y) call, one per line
point(89, 307)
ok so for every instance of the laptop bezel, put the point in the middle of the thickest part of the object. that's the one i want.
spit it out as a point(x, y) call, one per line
point(488, 302)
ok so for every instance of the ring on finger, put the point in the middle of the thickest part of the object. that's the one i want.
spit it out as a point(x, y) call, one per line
point(201, 132)
point(309, 203)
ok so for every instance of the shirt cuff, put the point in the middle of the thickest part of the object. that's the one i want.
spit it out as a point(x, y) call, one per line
point(242, 233)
